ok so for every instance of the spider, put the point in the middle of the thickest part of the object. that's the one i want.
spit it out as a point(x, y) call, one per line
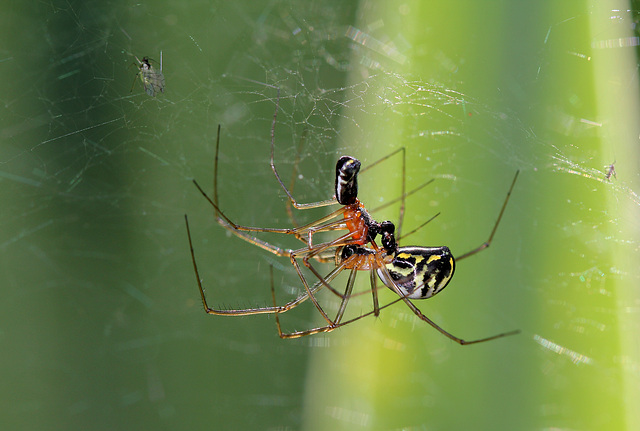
point(361, 227)
point(152, 79)
point(411, 272)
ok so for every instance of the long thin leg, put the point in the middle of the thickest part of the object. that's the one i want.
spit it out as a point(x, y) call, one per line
point(487, 243)
point(209, 310)
point(419, 227)
point(306, 254)
point(331, 324)
point(230, 225)
point(215, 175)
point(225, 222)
point(336, 324)
point(403, 182)
point(347, 295)
point(298, 232)
point(326, 328)
point(260, 310)
point(354, 263)
point(309, 254)
point(400, 198)
point(275, 171)
point(294, 174)
point(373, 280)
point(355, 266)
point(389, 282)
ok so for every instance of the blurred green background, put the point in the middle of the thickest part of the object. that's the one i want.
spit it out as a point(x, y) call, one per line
point(102, 325)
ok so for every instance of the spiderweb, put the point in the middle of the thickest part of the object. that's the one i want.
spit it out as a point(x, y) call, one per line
point(102, 320)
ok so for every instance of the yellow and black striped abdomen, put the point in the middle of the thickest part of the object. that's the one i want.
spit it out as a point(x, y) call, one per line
point(421, 272)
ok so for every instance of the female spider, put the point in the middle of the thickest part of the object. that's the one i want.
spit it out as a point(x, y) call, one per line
point(152, 79)
point(412, 272)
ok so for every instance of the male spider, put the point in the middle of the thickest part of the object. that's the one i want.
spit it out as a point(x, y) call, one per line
point(411, 272)
point(361, 227)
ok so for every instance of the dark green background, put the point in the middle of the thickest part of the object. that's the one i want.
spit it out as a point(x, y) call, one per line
point(102, 327)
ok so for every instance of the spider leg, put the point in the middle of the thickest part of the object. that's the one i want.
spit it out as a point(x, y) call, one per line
point(258, 310)
point(309, 254)
point(225, 222)
point(419, 227)
point(401, 197)
point(294, 174)
point(430, 322)
point(275, 171)
point(278, 251)
point(487, 243)
point(337, 322)
point(356, 262)
point(341, 309)
point(389, 282)
point(402, 187)
point(209, 310)
point(215, 175)
point(236, 229)
point(347, 295)
point(373, 280)
point(329, 328)
point(295, 264)
point(306, 253)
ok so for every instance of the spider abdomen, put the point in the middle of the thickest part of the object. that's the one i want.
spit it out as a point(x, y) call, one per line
point(420, 272)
